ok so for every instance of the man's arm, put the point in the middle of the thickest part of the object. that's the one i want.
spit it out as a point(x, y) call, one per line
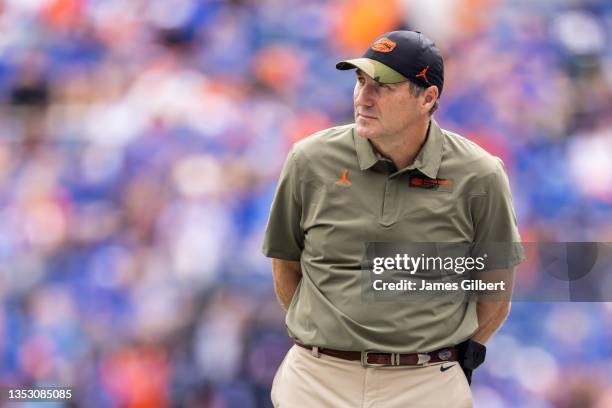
point(491, 316)
point(287, 275)
point(493, 307)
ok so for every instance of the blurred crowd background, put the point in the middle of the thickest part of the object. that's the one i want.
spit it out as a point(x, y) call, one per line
point(141, 141)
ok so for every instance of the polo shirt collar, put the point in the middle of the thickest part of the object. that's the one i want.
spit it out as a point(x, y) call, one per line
point(366, 155)
point(427, 161)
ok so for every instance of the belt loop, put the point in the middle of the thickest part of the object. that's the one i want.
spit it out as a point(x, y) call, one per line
point(423, 358)
point(315, 351)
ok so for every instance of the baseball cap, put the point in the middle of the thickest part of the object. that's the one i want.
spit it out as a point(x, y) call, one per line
point(398, 56)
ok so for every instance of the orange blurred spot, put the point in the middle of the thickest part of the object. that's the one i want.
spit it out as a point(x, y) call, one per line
point(305, 124)
point(474, 15)
point(62, 13)
point(361, 21)
point(137, 377)
point(279, 67)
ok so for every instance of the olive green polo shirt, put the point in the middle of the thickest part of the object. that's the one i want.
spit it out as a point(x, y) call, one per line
point(335, 194)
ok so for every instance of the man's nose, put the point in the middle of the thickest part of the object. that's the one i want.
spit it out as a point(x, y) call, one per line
point(365, 95)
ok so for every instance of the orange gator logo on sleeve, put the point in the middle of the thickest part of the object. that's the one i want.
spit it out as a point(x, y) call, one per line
point(343, 180)
point(384, 45)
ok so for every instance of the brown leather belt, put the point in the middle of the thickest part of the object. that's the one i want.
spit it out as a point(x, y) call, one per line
point(377, 359)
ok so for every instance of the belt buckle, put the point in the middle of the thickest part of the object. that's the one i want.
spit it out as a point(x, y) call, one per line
point(395, 359)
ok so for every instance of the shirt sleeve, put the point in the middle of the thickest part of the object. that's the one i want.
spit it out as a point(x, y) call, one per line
point(496, 234)
point(284, 236)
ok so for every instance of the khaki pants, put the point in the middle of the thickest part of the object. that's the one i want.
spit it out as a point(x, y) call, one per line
point(305, 381)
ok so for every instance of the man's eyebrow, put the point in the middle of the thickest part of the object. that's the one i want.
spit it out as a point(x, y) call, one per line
point(359, 74)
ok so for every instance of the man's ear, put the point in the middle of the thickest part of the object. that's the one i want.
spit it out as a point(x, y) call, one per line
point(431, 96)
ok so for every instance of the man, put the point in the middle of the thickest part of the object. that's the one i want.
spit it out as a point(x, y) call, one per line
point(392, 176)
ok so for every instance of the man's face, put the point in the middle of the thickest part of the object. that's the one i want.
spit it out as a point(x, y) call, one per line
point(383, 110)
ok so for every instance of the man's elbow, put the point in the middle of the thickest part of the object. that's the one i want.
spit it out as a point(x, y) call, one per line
point(287, 275)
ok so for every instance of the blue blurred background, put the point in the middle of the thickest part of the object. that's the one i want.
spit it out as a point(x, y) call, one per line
point(140, 144)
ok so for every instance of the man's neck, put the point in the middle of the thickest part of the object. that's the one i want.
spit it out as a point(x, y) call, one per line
point(403, 149)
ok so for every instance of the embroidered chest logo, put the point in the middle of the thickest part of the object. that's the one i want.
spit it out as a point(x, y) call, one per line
point(343, 180)
point(423, 74)
point(432, 184)
point(384, 45)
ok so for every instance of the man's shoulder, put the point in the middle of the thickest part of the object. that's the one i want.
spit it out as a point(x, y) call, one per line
point(469, 157)
point(320, 142)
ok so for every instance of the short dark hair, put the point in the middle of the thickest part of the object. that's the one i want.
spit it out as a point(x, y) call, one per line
point(417, 90)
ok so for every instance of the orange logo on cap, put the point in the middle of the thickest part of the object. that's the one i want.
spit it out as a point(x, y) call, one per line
point(384, 45)
point(423, 74)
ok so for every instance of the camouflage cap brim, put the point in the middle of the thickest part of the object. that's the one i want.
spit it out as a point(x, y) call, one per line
point(376, 70)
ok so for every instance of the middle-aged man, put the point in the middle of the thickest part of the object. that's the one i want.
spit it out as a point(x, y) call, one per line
point(392, 176)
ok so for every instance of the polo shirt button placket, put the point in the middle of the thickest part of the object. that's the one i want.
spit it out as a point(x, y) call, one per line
point(389, 204)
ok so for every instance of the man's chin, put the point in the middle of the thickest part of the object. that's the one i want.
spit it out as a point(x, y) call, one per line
point(365, 132)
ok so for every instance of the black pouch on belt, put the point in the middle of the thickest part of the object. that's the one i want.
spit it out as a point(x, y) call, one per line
point(471, 355)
